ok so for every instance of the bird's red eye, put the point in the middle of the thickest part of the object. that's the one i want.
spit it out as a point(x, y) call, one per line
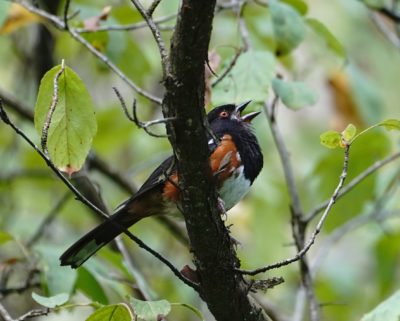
point(224, 114)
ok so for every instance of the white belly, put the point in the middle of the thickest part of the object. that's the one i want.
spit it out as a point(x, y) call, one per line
point(234, 188)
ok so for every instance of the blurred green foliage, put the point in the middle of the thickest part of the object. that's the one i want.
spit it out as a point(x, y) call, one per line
point(305, 41)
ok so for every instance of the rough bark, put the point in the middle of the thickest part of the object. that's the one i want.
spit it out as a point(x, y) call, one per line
point(224, 290)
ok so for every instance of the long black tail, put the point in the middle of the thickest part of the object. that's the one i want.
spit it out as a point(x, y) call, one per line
point(101, 235)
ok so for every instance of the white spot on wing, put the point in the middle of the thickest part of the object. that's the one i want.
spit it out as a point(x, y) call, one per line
point(238, 157)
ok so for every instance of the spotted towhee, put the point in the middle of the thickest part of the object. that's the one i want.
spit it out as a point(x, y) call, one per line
point(235, 160)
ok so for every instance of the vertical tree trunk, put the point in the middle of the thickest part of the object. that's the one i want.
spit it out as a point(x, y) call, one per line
point(223, 289)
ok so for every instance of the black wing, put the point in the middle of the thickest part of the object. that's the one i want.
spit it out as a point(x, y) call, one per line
point(155, 180)
point(160, 174)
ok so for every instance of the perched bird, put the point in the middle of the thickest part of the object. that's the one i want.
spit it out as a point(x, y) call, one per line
point(235, 161)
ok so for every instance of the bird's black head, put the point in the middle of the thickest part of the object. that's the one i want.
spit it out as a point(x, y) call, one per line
point(231, 112)
point(228, 120)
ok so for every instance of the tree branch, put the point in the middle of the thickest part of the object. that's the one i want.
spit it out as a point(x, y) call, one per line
point(89, 204)
point(128, 27)
point(298, 226)
point(58, 23)
point(220, 285)
point(156, 33)
point(353, 183)
point(96, 162)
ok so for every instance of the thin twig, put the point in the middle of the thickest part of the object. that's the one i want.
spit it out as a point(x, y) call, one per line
point(83, 199)
point(48, 219)
point(231, 64)
point(93, 161)
point(153, 7)
point(54, 102)
point(142, 285)
point(388, 13)
point(244, 32)
point(33, 314)
point(128, 27)
point(19, 106)
point(298, 226)
point(134, 118)
point(318, 228)
point(19, 289)
point(377, 213)
point(385, 31)
point(285, 158)
point(58, 23)
point(353, 183)
point(66, 9)
point(395, 17)
point(156, 34)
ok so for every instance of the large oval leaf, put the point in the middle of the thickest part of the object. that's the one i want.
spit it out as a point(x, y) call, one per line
point(295, 95)
point(52, 301)
point(73, 124)
point(289, 27)
point(150, 310)
point(249, 79)
point(328, 37)
point(115, 312)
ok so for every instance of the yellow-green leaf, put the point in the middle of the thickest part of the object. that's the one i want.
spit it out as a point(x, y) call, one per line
point(327, 36)
point(5, 237)
point(150, 310)
point(191, 308)
point(115, 312)
point(73, 124)
point(52, 301)
point(349, 132)
point(390, 124)
point(331, 139)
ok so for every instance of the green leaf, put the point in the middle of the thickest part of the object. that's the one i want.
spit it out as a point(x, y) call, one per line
point(52, 301)
point(370, 147)
point(87, 283)
point(5, 237)
point(349, 133)
point(388, 310)
point(294, 95)
point(150, 310)
point(73, 124)
point(99, 40)
point(288, 25)
point(299, 5)
point(192, 308)
point(249, 79)
point(390, 124)
point(115, 312)
point(330, 139)
point(330, 40)
point(56, 278)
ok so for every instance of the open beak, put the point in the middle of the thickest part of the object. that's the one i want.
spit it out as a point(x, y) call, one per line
point(248, 117)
